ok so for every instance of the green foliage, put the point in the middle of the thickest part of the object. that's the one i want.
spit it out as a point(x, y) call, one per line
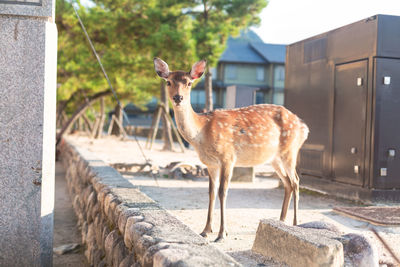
point(216, 20)
point(127, 35)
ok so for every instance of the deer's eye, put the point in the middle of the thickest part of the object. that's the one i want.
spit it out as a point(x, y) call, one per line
point(168, 83)
point(190, 84)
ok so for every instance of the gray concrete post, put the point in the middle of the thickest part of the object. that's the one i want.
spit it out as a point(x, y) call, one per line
point(28, 66)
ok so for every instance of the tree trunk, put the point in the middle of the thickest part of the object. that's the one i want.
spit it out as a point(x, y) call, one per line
point(99, 131)
point(118, 115)
point(79, 112)
point(208, 90)
point(62, 105)
point(166, 133)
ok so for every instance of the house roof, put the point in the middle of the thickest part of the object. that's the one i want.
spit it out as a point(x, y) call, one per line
point(241, 52)
point(248, 48)
point(275, 53)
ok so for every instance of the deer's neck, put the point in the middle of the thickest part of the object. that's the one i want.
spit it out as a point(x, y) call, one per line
point(189, 123)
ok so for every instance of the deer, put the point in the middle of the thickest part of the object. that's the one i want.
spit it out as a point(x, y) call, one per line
point(241, 137)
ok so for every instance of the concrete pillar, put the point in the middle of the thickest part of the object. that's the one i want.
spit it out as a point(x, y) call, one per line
point(28, 66)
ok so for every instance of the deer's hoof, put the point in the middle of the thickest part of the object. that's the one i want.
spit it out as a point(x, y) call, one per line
point(219, 239)
point(204, 234)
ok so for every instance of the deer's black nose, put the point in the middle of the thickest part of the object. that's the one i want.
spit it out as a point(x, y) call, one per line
point(177, 98)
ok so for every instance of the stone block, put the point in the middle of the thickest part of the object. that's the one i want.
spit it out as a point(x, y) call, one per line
point(297, 246)
point(128, 233)
point(141, 247)
point(359, 251)
point(105, 233)
point(84, 231)
point(111, 240)
point(119, 252)
point(243, 174)
point(172, 254)
point(168, 228)
point(128, 261)
point(107, 202)
point(124, 215)
point(113, 220)
point(98, 255)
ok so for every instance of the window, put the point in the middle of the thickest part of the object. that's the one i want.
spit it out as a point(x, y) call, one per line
point(280, 73)
point(198, 97)
point(260, 73)
point(214, 73)
point(231, 72)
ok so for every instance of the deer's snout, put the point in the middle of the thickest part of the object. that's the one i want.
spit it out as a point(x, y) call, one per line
point(177, 98)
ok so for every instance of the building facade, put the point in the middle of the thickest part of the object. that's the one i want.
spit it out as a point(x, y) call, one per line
point(247, 61)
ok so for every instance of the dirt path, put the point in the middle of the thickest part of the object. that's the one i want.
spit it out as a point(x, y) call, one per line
point(247, 203)
point(65, 228)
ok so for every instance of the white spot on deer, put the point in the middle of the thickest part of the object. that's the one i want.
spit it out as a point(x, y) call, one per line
point(220, 124)
point(220, 136)
point(278, 116)
point(290, 125)
point(226, 124)
point(284, 133)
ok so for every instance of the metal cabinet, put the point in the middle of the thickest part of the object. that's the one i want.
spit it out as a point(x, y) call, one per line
point(345, 84)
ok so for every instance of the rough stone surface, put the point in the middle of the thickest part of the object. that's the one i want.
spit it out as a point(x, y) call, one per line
point(27, 106)
point(320, 225)
point(128, 261)
point(124, 215)
point(359, 251)
point(297, 246)
point(33, 8)
point(111, 241)
point(121, 226)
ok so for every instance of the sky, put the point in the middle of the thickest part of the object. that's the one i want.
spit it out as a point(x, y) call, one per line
point(289, 21)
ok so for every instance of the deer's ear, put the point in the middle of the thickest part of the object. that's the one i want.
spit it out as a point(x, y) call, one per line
point(161, 68)
point(198, 69)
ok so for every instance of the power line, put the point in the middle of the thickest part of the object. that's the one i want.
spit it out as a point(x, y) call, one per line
point(112, 89)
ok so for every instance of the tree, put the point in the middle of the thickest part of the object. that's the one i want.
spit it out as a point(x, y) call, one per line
point(127, 43)
point(78, 71)
point(215, 21)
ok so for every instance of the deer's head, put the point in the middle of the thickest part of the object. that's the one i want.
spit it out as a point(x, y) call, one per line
point(179, 83)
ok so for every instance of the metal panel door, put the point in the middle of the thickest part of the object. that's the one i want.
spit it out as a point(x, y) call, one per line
point(350, 122)
point(387, 124)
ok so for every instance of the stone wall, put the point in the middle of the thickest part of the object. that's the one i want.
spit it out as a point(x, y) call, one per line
point(121, 226)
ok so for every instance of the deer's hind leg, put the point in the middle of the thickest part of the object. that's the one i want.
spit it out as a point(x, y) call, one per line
point(289, 164)
point(280, 170)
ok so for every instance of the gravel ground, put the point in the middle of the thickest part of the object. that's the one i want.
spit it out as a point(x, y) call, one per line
point(65, 225)
point(247, 203)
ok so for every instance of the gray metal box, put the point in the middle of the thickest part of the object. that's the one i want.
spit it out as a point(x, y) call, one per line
point(345, 84)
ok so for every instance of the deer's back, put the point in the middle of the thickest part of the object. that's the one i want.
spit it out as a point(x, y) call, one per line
point(251, 135)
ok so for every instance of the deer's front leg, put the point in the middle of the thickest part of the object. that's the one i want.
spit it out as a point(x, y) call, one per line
point(214, 174)
point(226, 174)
